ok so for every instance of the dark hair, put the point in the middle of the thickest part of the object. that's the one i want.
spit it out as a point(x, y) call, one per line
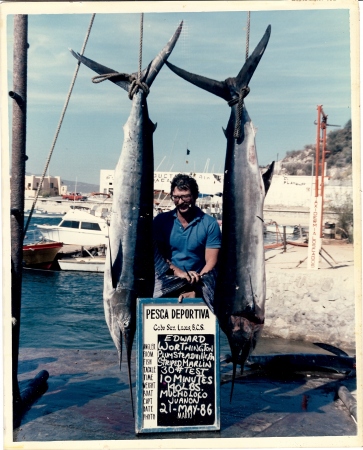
point(184, 182)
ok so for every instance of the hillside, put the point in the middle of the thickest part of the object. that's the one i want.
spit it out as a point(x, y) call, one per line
point(79, 186)
point(338, 156)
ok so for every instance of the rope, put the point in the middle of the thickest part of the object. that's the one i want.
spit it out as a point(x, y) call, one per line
point(140, 46)
point(248, 33)
point(242, 94)
point(135, 83)
point(245, 90)
point(134, 87)
point(59, 126)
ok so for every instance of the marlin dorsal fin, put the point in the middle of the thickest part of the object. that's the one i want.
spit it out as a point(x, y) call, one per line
point(267, 176)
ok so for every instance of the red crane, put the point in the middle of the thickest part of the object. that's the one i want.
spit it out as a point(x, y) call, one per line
point(320, 154)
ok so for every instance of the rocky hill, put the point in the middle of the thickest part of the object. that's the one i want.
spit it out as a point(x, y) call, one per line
point(84, 188)
point(338, 156)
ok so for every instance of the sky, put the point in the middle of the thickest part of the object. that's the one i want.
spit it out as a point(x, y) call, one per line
point(306, 63)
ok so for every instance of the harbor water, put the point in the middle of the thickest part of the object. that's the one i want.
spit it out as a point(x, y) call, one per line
point(64, 309)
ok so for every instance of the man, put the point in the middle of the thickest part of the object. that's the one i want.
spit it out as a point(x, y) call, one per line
point(188, 239)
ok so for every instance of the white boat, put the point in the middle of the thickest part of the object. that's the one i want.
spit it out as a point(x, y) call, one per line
point(41, 213)
point(83, 264)
point(79, 227)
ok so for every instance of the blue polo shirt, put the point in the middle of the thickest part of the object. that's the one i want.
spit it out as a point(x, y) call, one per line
point(185, 247)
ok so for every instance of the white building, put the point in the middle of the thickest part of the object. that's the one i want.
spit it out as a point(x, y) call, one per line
point(209, 183)
point(52, 186)
point(285, 190)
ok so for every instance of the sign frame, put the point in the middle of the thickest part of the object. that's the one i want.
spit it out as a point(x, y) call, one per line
point(169, 302)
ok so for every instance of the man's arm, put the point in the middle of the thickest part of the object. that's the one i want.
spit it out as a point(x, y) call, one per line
point(211, 258)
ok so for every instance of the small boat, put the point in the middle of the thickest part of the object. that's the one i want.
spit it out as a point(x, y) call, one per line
point(274, 245)
point(41, 213)
point(99, 196)
point(40, 255)
point(79, 227)
point(83, 264)
point(273, 227)
point(298, 243)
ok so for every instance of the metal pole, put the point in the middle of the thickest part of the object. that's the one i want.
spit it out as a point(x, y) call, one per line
point(323, 150)
point(312, 165)
point(284, 237)
point(19, 94)
point(317, 154)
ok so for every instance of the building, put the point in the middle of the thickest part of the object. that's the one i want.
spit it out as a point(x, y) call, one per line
point(209, 183)
point(285, 191)
point(52, 186)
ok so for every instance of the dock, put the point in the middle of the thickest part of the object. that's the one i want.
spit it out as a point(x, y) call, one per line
point(88, 400)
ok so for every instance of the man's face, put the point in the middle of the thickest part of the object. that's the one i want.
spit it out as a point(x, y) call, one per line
point(183, 200)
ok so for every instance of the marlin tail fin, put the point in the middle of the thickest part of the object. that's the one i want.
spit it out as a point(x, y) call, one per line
point(119, 79)
point(124, 80)
point(229, 88)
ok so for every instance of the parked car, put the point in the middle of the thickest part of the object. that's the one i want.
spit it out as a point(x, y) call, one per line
point(74, 196)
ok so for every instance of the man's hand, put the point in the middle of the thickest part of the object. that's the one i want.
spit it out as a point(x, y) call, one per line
point(192, 276)
point(184, 295)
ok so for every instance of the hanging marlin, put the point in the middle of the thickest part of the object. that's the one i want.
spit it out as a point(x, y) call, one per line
point(240, 293)
point(129, 270)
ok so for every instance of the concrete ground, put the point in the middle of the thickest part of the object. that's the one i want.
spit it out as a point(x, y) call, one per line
point(313, 305)
point(88, 397)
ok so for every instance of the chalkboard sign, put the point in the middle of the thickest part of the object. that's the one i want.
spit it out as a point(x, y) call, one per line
point(177, 366)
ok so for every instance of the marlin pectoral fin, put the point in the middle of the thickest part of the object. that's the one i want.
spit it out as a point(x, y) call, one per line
point(267, 176)
point(102, 70)
point(218, 88)
point(116, 267)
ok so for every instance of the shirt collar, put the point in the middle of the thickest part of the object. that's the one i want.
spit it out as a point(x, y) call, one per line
point(198, 214)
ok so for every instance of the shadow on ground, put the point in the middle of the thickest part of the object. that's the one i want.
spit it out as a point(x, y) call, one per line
point(88, 399)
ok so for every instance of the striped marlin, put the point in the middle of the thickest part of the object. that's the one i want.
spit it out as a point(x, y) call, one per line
point(240, 293)
point(129, 271)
